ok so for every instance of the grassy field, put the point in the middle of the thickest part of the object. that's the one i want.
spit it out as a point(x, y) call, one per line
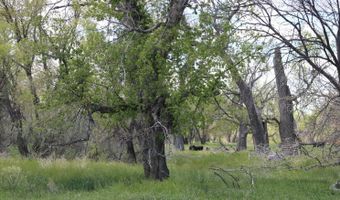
point(191, 178)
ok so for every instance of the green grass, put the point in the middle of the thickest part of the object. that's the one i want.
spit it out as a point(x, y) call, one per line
point(190, 178)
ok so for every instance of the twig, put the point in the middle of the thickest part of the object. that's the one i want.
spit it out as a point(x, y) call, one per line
point(221, 177)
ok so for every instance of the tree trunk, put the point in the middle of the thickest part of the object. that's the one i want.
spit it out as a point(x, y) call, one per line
point(33, 89)
point(179, 142)
point(186, 140)
point(154, 160)
point(254, 118)
point(39, 147)
point(229, 138)
point(15, 115)
point(2, 113)
point(16, 118)
point(286, 128)
point(234, 137)
point(22, 142)
point(131, 151)
point(204, 137)
point(266, 137)
point(2, 134)
point(191, 136)
point(242, 137)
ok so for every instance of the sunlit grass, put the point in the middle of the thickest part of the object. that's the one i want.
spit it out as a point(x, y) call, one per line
point(191, 178)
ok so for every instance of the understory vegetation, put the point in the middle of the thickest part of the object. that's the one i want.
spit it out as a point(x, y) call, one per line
point(192, 177)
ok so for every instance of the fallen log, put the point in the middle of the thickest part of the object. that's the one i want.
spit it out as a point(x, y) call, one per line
point(314, 144)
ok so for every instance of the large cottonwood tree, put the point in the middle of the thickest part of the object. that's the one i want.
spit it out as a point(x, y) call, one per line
point(145, 74)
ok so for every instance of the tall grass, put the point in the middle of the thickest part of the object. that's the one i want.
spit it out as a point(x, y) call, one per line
point(38, 177)
point(191, 178)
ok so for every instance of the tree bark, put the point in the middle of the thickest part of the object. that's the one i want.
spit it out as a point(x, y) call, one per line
point(229, 138)
point(130, 150)
point(242, 137)
point(266, 136)
point(203, 137)
point(233, 136)
point(2, 134)
point(287, 123)
point(14, 112)
point(16, 118)
point(198, 136)
point(154, 159)
point(33, 89)
point(186, 140)
point(179, 142)
point(254, 118)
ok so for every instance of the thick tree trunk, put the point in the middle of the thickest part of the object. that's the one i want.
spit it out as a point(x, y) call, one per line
point(254, 118)
point(21, 141)
point(242, 137)
point(16, 118)
point(179, 142)
point(154, 160)
point(287, 123)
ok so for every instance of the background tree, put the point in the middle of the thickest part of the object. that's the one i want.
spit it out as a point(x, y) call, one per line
point(287, 122)
point(309, 32)
point(222, 18)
